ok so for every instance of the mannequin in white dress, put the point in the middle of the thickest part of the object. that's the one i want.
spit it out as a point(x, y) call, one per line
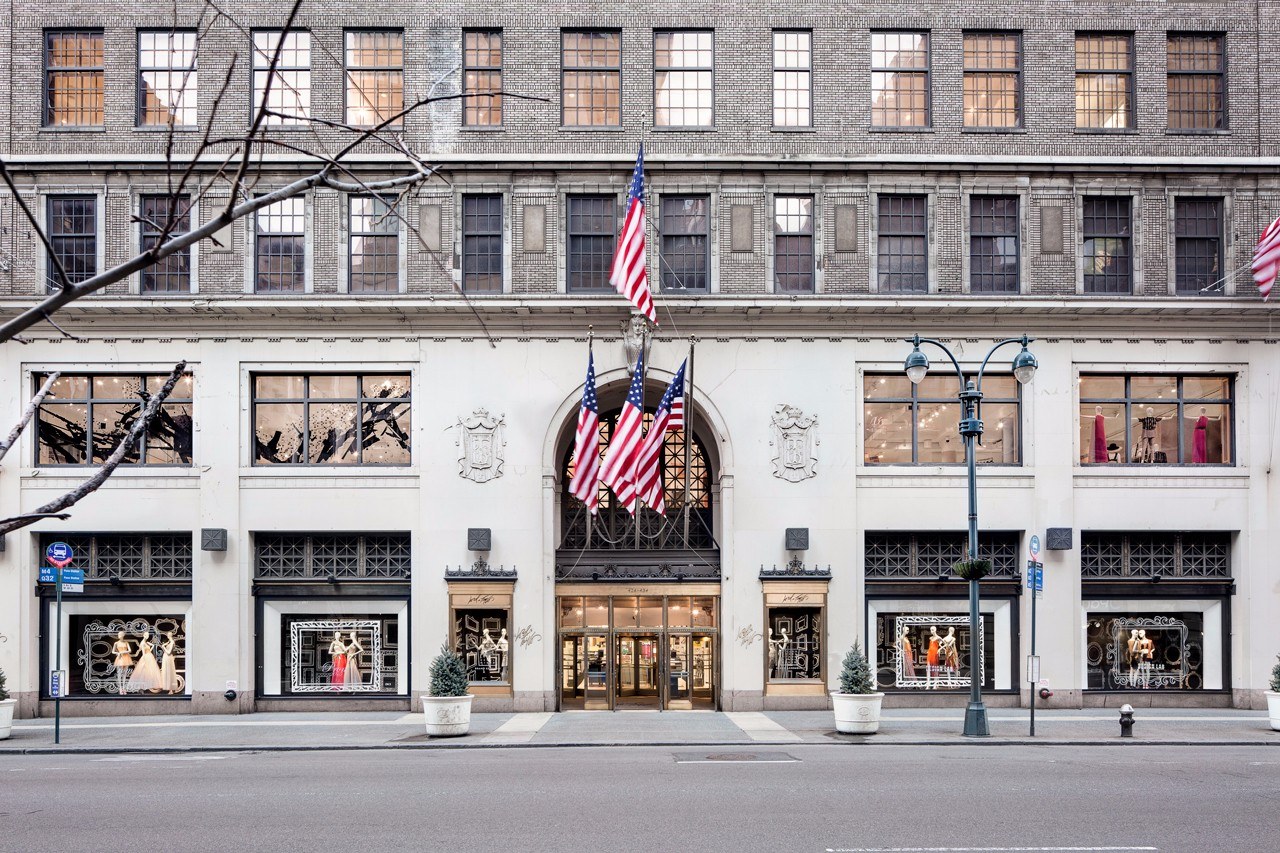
point(352, 677)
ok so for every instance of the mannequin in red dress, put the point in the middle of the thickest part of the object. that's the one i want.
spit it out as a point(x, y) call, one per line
point(338, 651)
point(1099, 436)
point(931, 656)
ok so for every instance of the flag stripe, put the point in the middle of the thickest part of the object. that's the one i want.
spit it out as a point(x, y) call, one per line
point(668, 418)
point(1266, 259)
point(627, 273)
point(618, 471)
point(585, 485)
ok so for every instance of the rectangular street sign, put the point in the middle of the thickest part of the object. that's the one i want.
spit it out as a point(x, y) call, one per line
point(48, 574)
point(73, 580)
point(1033, 668)
point(1035, 576)
point(57, 683)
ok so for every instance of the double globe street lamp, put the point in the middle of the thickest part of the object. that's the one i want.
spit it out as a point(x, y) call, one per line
point(1024, 368)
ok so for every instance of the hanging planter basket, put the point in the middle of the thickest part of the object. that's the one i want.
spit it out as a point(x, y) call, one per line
point(972, 570)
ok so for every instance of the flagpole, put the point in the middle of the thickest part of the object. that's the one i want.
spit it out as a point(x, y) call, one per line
point(644, 363)
point(688, 433)
point(591, 515)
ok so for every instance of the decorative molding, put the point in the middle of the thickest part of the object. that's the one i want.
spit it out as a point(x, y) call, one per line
point(796, 569)
point(480, 570)
point(635, 330)
point(1086, 481)
point(795, 444)
point(481, 442)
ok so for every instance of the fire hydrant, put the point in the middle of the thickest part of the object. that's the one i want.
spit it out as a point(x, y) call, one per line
point(1126, 720)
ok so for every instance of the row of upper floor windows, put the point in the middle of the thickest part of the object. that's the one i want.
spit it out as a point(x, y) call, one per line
point(902, 227)
point(366, 419)
point(684, 63)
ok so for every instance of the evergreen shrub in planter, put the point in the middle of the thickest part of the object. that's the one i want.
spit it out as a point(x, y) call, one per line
point(856, 703)
point(448, 708)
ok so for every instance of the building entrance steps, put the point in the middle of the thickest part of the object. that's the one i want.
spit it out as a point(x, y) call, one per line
point(382, 730)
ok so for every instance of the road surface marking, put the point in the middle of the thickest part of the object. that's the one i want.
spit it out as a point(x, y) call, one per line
point(977, 849)
point(759, 727)
point(163, 758)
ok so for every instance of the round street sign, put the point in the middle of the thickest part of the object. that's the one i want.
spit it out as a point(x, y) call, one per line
point(1035, 548)
point(59, 553)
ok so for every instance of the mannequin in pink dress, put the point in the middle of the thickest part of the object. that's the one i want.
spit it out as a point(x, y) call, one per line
point(1200, 438)
point(1099, 437)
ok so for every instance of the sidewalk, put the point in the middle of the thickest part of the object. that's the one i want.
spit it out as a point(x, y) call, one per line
point(934, 727)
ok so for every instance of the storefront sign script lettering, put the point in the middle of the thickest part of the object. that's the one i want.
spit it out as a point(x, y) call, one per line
point(527, 636)
point(480, 599)
point(795, 597)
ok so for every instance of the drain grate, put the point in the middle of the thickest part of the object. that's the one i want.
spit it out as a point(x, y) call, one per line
point(736, 758)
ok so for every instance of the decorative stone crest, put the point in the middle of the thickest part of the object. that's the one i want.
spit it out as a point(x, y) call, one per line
point(481, 441)
point(795, 444)
point(636, 331)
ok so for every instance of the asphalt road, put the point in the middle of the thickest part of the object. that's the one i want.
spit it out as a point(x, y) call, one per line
point(793, 798)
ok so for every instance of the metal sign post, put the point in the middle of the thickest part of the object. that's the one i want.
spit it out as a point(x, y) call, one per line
point(59, 555)
point(1035, 583)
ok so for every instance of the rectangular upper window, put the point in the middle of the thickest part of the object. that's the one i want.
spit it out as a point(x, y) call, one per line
point(167, 78)
point(1156, 420)
point(85, 417)
point(592, 229)
point(792, 78)
point(482, 243)
point(907, 424)
point(1197, 237)
point(482, 78)
point(73, 78)
point(163, 217)
point(993, 244)
point(993, 80)
point(1104, 81)
point(288, 100)
point(374, 251)
point(793, 267)
point(331, 419)
point(685, 259)
point(902, 244)
point(1108, 244)
point(683, 78)
point(72, 226)
point(591, 79)
point(1197, 81)
point(900, 94)
point(280, 247)
point(375, 77)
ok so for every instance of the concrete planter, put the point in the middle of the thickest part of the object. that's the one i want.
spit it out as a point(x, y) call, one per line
point(857, 713)
point(447, 716)
point(6, 717)
point(1273, 709)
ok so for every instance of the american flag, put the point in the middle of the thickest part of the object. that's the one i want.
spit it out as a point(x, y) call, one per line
point(585, 484)
point(628, 272)
point(668, 418)
point(619, 469)
point(1266, 259)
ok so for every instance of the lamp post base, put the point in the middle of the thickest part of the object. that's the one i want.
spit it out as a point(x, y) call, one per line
point(975, 720)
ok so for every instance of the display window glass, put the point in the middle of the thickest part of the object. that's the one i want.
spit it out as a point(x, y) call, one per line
point(1163, 420)
point(324, 647)
point(1149, 651)
point(925, 644)
point(122, 650)
point(795, 643)
point(482, 642)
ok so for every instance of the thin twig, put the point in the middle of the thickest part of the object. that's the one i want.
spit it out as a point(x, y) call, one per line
point(28, 413)
point(63, 281)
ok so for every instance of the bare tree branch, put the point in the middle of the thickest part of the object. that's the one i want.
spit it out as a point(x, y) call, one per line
point(108, 467)
point(27, 413)
point(63, 281)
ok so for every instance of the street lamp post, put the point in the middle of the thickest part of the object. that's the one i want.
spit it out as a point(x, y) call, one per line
point(1024, 368)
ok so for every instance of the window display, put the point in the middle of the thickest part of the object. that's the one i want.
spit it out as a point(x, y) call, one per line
point(85, 417)
point(335, 654)
point(930, 651)
point(908, 424)
point(1155, 420)
point(128, 655)
point(483, 644)
point(1145, 651)
point(795, 643)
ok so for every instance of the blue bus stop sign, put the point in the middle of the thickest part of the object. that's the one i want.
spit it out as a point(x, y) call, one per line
point(59, 552)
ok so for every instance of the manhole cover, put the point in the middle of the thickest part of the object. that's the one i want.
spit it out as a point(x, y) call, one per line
point(736, 758)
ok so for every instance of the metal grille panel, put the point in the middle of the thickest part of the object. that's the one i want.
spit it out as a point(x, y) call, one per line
point(1142, 556)
point(336, 556)
point(929, 556)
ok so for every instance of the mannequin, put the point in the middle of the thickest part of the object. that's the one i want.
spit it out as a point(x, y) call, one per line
point(146, 675)
point(1200, 437)
point(1147, 444)
point(908, 655)
point(351, 677)
point(1132, 656)
point(169, 664)
point(504, 646)
point(1099, 436)
point(489, 652)
point(1146, 652)
point(777, 651)
point(123, 662)
point(337, 651)
point(931, 657)
point(950, 654)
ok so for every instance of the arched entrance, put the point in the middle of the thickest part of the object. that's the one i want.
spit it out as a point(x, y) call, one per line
point(638, 598)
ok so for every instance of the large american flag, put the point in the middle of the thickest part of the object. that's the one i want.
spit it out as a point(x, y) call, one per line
point(1266, 259)
point(585, 485)
point(668, 418)
point(628, 271)
point(618, 471)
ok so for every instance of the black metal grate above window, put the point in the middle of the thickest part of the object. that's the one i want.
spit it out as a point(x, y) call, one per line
point(331, 556)
point(1167, 555)
point(929, 556)
point(127, 556)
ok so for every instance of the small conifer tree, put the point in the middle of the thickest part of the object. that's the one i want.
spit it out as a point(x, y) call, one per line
point(855, 672)
point(448, 674)
point(4, 694)
point(1275, 678)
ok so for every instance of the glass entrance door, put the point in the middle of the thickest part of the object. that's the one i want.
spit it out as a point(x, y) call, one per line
point(636, 671)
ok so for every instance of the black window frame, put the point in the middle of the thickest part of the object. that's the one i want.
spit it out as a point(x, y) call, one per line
point(1223, 123)
point(1090, 231)
point(46, 114)
point(926, 73)
point(710, 69)
point(670, 242)
point(915, 401)
point(191, 79)
point(977, 71)
point(390, 219)
point(348, 82)
point(889, 281)
point(1129, 74)
point(807, 71)
point(150, 225)
point(976, 244)
point(599, 70)
point(1130, 402)
point(57, 239)
point(479, 258)
point(302, 120)
point(583, 244)
point(781, 238)
point(1182, 241)
point(471, 106)
point(299, 274)
point(360, 401)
